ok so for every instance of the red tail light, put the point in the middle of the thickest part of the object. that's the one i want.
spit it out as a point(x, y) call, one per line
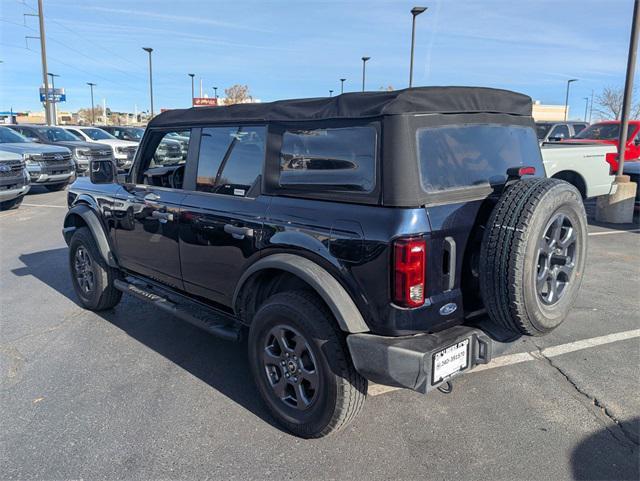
point(409, 264)
point(612, 159)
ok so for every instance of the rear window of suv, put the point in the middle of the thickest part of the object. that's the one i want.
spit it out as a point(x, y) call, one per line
point(337, 159)
point(459, 156)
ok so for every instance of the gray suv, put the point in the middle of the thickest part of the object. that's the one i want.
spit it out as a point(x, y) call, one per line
point(47, 165)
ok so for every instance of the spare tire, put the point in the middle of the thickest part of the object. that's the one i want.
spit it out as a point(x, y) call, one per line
point(533, 255)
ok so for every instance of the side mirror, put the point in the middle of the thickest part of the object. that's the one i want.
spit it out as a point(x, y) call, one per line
point(102, 172)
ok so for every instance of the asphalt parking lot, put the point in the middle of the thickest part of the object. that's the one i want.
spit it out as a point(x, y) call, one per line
point(133, 393)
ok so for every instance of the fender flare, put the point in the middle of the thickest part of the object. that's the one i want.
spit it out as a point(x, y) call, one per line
point(92, 220)
point(323, 283)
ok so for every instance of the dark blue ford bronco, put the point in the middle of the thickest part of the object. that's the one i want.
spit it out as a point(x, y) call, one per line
point(393, 237)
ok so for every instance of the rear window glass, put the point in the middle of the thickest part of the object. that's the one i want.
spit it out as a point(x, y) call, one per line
point(336, 159)
point(461, 156)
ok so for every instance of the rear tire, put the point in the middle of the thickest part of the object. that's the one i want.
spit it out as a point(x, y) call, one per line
point(11, 204)
point(533, 255)
point(56, 187)
point(301, 365)
point(92, 278)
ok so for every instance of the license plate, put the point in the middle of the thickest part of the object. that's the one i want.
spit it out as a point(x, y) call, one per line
point(451, 360)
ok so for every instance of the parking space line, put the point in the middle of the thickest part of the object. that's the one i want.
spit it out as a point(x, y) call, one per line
point(613, 232)
point(520, 357)
point(43, 205)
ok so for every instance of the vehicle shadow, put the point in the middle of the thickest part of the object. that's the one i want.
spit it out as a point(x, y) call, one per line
point(599, 457)
point(222, 365)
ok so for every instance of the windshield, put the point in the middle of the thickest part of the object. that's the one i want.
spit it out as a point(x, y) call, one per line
point(8, 136)
point(542, 130)
point(97, 134)
point(56, 134)
point(458, 156)
point(603, 132)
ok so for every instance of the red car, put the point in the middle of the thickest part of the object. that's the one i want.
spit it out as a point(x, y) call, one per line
point(607, 132)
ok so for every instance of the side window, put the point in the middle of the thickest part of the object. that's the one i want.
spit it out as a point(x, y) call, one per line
point(230, 160)
point(77, 134)
point(341, 159)
point(165, 160)
point(577, 128)
point(560, 132)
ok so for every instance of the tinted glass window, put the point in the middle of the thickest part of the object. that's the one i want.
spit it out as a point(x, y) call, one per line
point(57, 134)
point(469, 155)
point(165, 167)
point(8, 136)
point(97, 134)
point(231, 159)
point(604, 132)
point(577, 128)
point(542, 130)
point(338, 159)
point(560, 131)
point(170, 151)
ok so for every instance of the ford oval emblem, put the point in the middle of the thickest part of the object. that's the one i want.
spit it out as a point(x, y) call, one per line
point(448, 309)
point(5, 168)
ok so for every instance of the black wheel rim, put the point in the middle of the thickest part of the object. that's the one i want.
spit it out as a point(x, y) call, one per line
point(290, 367)
point(83, 270)
point(556, 259)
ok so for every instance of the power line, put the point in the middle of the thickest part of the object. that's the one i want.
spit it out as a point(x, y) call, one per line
point(84, 39)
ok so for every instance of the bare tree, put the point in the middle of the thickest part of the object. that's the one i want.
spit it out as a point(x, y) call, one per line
point(609, 104)
point(388, 88)
point(237, 94)
point(84, 114)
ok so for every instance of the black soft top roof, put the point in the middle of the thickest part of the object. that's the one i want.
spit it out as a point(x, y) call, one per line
point(357, 105)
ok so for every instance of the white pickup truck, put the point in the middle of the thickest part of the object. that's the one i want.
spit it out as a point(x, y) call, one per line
point(123, 150)
point(583, 165)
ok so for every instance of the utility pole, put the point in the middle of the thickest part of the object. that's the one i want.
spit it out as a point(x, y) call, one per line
point(149, 50)
point(591, 106)
point(586, 106)
point(43, 53)
point(93, 120)
point(628, 85)
point(342, 85)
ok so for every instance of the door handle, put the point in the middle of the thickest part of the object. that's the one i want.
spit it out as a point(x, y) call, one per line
point(163, 217)
point(151, 197)
point(238, 232)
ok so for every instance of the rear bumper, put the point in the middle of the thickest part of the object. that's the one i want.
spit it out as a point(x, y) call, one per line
point(407, 362)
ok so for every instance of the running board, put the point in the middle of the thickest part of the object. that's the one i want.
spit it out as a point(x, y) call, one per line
point(215, 323)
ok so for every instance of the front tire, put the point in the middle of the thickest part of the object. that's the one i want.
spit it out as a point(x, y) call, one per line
point(92, 278)
point(301, 365)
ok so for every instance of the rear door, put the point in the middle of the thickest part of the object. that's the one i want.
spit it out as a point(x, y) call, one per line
point(147, 216)
point(223, 218)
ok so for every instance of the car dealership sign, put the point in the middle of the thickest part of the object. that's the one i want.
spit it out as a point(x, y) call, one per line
point(205, 101)
point(55, 95)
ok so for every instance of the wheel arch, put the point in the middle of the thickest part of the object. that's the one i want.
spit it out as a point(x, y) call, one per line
point(575, 179)
point(82, 215)
point(295, 268)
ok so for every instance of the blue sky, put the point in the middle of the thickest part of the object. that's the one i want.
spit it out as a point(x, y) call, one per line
point(287, 49)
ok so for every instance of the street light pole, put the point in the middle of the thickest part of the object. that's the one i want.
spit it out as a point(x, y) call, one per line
point(364, 63)
point(628, 85)
point(566, 100)
point(342, 85)
point(93, 120)
point(586, 107)
point(192, 87)
point(54, 111)
point(215, 92)
point(415, 11)
point(149, 50)
point(330, 93)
